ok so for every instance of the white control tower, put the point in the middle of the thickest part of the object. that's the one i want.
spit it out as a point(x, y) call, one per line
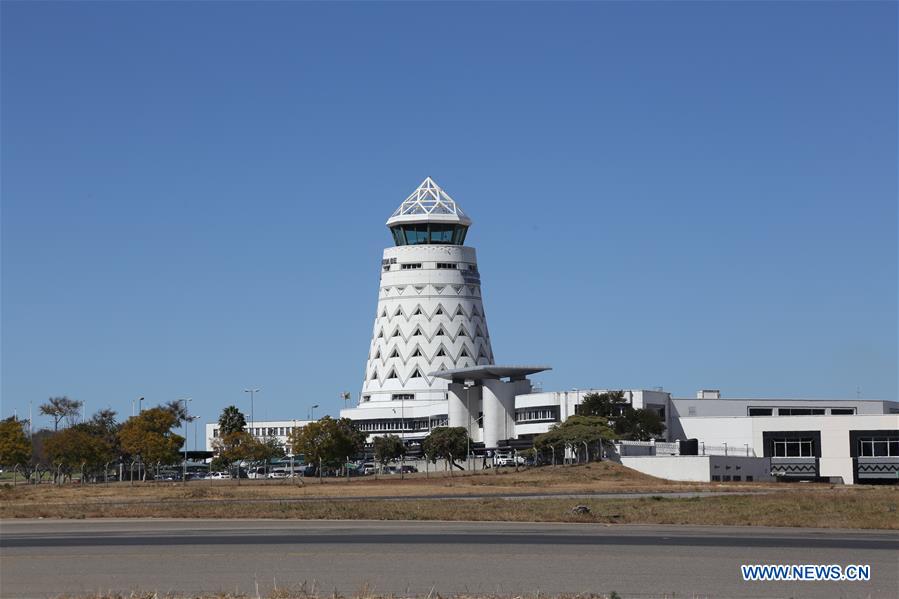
point(430, 316)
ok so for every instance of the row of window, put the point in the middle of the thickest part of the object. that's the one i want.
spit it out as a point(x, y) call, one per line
point(402, 396)
point(272, 431)
point(794, 448)
point(441, 332)
point(800, 411)
point(441, 352)
point(726, 478)
point(411, 266)
point(536, 414)
point(878, 447)
point(407, 425)
point(419, 312)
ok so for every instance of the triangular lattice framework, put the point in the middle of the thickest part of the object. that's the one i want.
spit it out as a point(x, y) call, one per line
point(428, 199)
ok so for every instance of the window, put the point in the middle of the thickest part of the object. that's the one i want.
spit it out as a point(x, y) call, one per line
point(462, 333)
point(439, 310)
point(800, 411)
point(416, 374)
point(716, 477)
point(842, 411)
point(417, 312)
point(439, 333)
point(395, 353)
point(215, 432)
point(440, 351)
point(416, 353)
point(793, 448)
point(878, 447)
point(737, 478)
point(726, 478)
point(473, 267)
point(396, 333)
point(402, 396)
point(416, 332)
point(411, 266)
point(749, 478)
point(366, 398)
point(446, 265)
point(761, 411)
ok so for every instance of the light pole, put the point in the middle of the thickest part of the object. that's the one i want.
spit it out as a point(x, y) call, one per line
point(311, 413)
point(345, 396)
point(140, 405)
point(252, 393)
point(577, 400)
point(185, 400)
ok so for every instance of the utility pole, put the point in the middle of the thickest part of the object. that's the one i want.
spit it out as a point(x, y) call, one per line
point(184, 426)
point(252, 393)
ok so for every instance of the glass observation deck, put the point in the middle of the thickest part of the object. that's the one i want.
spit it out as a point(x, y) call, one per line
point(429, 233)
point(429, 216)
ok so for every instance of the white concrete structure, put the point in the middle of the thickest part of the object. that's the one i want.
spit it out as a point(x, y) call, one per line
point(699, 468)
point(429, 317)
point(262, 430)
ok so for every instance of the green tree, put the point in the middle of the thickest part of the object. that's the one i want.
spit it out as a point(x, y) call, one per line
point(76, 447)
point(327, 441)
point(231, 421)
point(640, 425)
point(610, 404)
point(575, 432)
point(388, 448)
point(61, 408)
point(149, 435)
point(446, 442)
point(15, 448)
point(233, 448)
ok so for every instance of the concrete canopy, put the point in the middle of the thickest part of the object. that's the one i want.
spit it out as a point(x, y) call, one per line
point(480, 373)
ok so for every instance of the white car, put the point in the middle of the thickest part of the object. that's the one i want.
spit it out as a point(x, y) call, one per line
point(219, 476)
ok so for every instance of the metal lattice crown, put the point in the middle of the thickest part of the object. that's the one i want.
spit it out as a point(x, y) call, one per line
point(427, 202)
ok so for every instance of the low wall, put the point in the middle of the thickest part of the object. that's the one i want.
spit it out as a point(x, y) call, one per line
point(700, 468)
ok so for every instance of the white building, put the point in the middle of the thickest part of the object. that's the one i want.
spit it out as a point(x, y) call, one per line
point(261, 430)
point(430, 364)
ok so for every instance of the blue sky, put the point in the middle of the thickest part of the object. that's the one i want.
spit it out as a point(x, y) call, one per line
point(683, 195)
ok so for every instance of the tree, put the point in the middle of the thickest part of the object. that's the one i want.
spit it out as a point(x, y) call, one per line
point(640, 425)
point(446, 442)
point(149, 435)
point(231, 421)
point(327, 441)
point(388, 448)
point(75, 447)
point(575, 432)
point(233, 448)
point(61, 408)
point(15, 448)
point(610, 404)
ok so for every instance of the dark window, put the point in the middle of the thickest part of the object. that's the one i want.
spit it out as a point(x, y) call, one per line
point(761, 411)
point(716, 477)
point(794, 448)
point(800, 411)
point(749, 478)
point(737, 478)
point(842, 411)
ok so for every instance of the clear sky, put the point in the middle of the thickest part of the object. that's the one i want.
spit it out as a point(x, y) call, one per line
point(685, 195)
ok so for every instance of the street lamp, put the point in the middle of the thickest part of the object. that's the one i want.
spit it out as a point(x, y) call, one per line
point(345, 396)
point(252, 393)
point(184, 426)
point(311, 413)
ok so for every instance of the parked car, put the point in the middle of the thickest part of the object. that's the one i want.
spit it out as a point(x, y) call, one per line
point(408, 469)
point(219, 475)
point(369, 468)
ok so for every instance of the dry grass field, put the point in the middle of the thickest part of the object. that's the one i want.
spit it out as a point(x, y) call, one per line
point(418, 497)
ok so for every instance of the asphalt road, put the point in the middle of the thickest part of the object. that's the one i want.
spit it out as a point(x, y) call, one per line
point(40, 558)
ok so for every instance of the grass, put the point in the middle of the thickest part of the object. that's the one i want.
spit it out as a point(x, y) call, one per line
point(802, 505)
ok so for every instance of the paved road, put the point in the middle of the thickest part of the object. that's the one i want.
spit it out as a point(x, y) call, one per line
point(45, 558)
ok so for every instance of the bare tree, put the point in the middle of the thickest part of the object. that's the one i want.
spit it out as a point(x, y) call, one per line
point(61, 408)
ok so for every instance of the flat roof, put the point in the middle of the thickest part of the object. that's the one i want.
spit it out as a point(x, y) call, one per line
point(479, 373)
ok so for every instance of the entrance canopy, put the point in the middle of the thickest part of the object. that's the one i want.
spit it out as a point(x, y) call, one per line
point(480, 373)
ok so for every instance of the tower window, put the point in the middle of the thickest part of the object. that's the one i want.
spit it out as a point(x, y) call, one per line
point(411, 266)
point(416, 374)
point(416, 353)
point(446, 265)
point(440, 352)
point(395, 354)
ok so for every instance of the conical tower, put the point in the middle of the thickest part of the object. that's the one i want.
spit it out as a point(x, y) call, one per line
point(430, 314)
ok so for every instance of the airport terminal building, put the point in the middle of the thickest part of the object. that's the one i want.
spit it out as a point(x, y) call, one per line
point(430, 363)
